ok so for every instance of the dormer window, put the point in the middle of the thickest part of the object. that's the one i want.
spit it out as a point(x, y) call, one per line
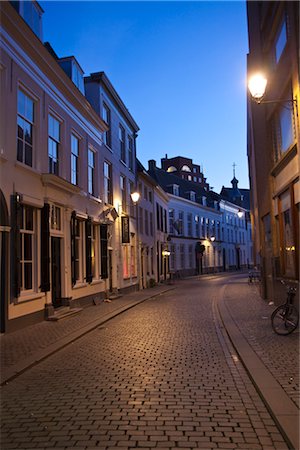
point(71, 67)
point(193, 196)
point(185, 168)
point(204, 201)
point(176, 190)
point(32, 14)
point(171, 169)
point(77, 76)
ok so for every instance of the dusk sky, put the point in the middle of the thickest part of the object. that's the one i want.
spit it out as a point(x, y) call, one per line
point(179, 67)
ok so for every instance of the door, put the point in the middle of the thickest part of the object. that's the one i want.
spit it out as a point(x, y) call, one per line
point(56, 271)
point(224, 259)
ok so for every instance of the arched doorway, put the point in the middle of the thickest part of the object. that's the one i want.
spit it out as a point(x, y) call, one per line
point(4, 260)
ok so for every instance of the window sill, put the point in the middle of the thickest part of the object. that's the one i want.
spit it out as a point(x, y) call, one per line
point(23, 166)
point(80, 285)
point(94, 199)
point(284, 160)
point(29, 297)
point(95, 282)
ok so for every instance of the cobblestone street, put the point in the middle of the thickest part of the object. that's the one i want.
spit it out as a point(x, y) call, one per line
point(163, 374)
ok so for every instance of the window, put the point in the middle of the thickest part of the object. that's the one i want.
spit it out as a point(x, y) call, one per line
point(283, 130)
point(280, 41)
point(27, 236)
point(287, 236)
point(181, 252)
point(133, 260)
point(91, 172)
point(193, 196)
point(197, 226)
point(106, 118)
point(189, 225)
point(78, 250)
point(172, 257)
point(93, 251)
point(151, 224)
point(176, 190)
point(171, 169)
point(107, 172)
point(141, 220)
point(146, 222)
point(145, 193)
point(190, 256)
point(25, 121)
point(123, 192)
point(180, 223)
point(171, 221)
point(55, 218)
point(74, 159)
point(32, 14)
point(53, 144)
point(150, 197)
point(185, 168)
point(122, 143)
point(130, 153)
point(77, 76)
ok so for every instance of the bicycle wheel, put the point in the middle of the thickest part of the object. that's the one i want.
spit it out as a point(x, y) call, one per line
point(285, 319)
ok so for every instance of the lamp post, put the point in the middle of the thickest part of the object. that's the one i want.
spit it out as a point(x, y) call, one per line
point(212, 239)
point(135, 196)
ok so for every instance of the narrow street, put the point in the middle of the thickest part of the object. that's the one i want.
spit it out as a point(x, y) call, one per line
point(162, 374)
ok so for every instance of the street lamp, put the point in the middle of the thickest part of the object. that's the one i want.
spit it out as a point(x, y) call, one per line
point(213, 238)
point(135, 196)
point(257, 87)
point(240, 214)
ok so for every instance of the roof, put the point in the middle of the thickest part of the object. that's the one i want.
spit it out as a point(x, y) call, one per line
point(101, 77)
point(238, 196)
point(166, 180)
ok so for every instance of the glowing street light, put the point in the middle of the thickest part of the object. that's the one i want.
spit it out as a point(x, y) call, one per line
point(240, 214)
point(257, 86)
point(135, 196)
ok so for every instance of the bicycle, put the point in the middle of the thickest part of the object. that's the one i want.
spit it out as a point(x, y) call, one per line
point(285, 318)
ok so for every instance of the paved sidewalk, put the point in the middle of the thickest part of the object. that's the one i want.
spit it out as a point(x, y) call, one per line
point(24, 348)
point(271, 361)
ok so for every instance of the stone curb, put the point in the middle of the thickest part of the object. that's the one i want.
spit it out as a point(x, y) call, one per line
point(32, 360)
point(284, 412)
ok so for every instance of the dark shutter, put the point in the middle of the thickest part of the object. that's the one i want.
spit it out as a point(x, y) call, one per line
point(45, 248)
point(103, 251)
point(16, 217)
point(73, 248)
point(88, 249)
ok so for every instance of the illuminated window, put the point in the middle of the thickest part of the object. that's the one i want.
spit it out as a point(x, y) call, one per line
point(185, 168)
point(27, 254)
point(107, 172)
point(171, 169)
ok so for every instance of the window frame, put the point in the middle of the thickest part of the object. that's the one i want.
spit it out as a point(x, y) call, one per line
point(30, 121)
point(54, 169)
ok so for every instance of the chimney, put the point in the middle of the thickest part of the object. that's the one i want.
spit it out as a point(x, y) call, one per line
point(151, 165)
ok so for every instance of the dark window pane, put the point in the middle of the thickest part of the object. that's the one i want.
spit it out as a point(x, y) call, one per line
point(27, 247)
point(28, 276)
point(29, 218)
point(28, 155)
point(20, 123)
point(21, 103)
point(20, 150)
point(28, 132)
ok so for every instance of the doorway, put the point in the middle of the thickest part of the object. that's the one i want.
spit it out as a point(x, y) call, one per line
point(56, 271)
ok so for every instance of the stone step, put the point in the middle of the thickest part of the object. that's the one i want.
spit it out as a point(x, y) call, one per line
point(63, 313)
